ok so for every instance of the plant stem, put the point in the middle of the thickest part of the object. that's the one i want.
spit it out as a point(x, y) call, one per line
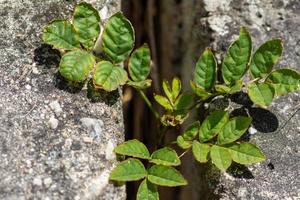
point(155, 113)
point(161, 135)
point(184, 152)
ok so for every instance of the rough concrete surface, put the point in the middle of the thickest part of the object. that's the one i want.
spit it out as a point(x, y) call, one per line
point(278, 177)
point(55, 142)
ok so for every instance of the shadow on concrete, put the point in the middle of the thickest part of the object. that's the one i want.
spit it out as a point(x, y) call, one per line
point(46, 56)
point(241, 98)
point(61, 83)
point(263, 120)
point(239, 171)
point(98, 95)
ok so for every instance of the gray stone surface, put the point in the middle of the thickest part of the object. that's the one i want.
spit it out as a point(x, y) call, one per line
point(56, 143)
point(277, 177)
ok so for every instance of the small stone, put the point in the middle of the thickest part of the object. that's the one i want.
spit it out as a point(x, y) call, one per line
point(94, 126)
point(47, 181)
point(37, 181)
point(87, 139)
point(28, 87)
point(68, 143)
point(103, 13)
point(109, 151)
point(35, 70)
point(252, 130)
point(55, 106)
point(53, 122)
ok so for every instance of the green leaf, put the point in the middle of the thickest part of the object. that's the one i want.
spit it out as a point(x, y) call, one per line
point(86, 23)
point(108, 76)
point(117, 38)
point(61, 35)
point(128, 170)
point(245, 153)
point(199, 91)
point(222, 89)
point(163, 101)
point(200, 151)
point(140, 85)
point(284, 81)
point(220, 157)
point(236, 60)
point(191, 131)
point(147, 191)
point(165, 176)
point(261, 94)
point(236, 87)
point(265, 57)
point(176, 88)
point(234, 129)
point(230, 90)
point(212, 125)
point(205, 71)
point(133, 148)
point(183, 101)
point(167, 90)
point(139, 64)
point(182, 143)
point(165, 156)
point(76, 65)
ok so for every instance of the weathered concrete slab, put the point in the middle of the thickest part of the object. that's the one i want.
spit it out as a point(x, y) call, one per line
point(277, 177)
point(55, 142)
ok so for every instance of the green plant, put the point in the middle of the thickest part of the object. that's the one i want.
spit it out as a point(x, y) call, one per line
point(216, 138)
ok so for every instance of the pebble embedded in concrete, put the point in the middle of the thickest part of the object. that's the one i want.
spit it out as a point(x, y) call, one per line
point(55, 106)
point(37, 181)
point(53, 122)
point(109, 151)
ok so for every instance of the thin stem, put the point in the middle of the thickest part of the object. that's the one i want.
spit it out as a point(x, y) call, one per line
point(161, 136)
point(184, 152)
point(155, 113)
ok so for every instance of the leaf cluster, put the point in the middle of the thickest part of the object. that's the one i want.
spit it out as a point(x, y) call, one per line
point(160, 170)
point(79, 38)
point(265, 83)
point(217, 138)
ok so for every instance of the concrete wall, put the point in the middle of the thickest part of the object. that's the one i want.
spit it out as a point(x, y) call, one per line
point(55, 142)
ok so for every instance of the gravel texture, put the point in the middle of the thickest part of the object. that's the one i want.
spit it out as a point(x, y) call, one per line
point(56, 141)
